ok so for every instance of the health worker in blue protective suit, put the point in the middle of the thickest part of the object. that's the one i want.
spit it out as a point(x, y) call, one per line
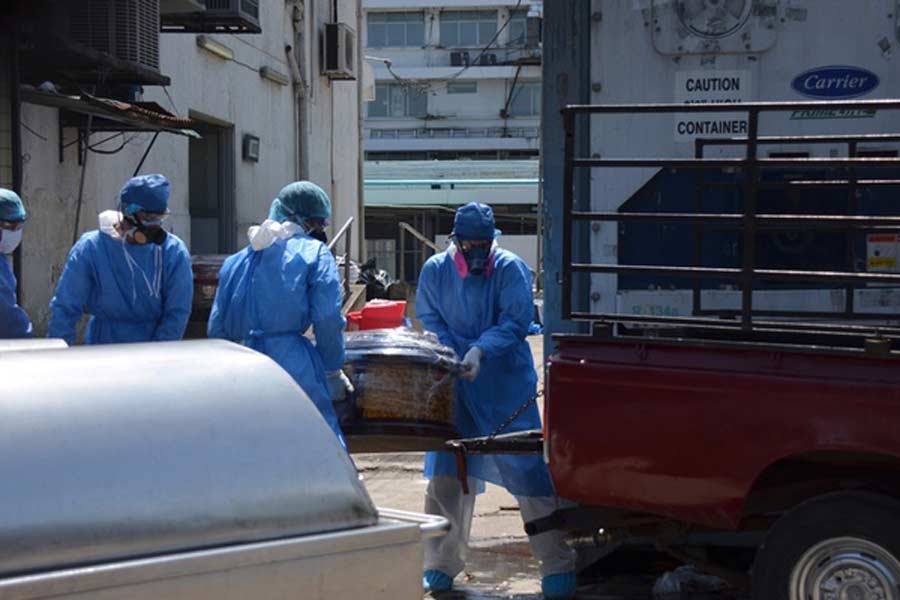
point(131, 276)
point(14, 322)
point(477, 298)
point(286, 280)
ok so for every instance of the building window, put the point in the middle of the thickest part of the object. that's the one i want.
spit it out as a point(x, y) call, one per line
point(462, 87)
point(526, 100)
point(384, 252)
point(398, 100)
point(396, 29)
point(518, 28)
point(468, 28)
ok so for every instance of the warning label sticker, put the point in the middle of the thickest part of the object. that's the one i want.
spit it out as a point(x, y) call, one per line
point(882, 252)
point(715, 87)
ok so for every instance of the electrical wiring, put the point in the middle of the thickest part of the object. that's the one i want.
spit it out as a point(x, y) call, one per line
point(125, 141)
point(33, 132)
point(428, 85)
point(489, 44)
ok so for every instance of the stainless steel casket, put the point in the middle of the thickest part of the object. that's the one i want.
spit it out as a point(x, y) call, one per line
point(184, 470)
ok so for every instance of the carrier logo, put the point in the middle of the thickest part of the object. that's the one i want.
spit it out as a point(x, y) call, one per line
point(835, 82)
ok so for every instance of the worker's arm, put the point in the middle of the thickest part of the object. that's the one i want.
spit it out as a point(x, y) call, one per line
point(14, 322)
point(178, 294)
point(325, 301)
point(222, 302)
point(427, 303)
point(516, 304)
point(72, 292)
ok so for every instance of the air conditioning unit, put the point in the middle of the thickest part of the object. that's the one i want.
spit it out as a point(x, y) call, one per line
point(487, 60)
point(168, 7)
point(533, 26)
point(125, 29)
point(339, 51)
point(210, 16)
point(245, 9)
point(459, 59)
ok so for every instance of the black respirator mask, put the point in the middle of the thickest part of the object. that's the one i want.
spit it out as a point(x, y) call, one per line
point(318, 234)
point(477, 258)
point(141, 233)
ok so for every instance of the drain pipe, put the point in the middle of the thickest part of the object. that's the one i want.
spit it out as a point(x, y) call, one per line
point(296, 58)
point(16, 135)
point(361, 157)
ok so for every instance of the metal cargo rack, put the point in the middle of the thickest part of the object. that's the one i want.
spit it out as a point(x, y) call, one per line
point(742, 324)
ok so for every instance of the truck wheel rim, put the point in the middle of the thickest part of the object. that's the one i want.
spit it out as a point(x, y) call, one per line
point(846, 568)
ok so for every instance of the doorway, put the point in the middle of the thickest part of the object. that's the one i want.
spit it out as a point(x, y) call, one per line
point(211, 188)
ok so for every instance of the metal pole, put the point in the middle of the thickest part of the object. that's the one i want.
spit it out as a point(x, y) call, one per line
point(16, 139)
point(347, 249)
point(699, 188)
point(852, 151)
point(146, 152)
point(751, 189)
point(402, 254)
point(84, 160)
point(568, 201)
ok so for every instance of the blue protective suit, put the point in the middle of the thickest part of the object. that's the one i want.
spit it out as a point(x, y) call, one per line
point(150, 300)
point(14, 322)
point(268, 298)
point(492, 311)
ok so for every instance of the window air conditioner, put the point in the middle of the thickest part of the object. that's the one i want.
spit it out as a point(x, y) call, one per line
point(488, 60)
point(244, 10)
point(168, 7)
point(459, 59)
point(339, 51)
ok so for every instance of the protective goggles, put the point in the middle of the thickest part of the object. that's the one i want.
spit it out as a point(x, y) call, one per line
point(12, 225)
point(151, 219)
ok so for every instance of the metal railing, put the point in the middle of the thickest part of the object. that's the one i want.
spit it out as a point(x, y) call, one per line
point(398, 133)
point(345, 232)
point(407, 229)
point(748, 222)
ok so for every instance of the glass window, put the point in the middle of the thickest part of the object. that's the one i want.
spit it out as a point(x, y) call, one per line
point(462, 87)
point(526, 101)
point(396, 29)
point(468, 28)
point(397, 100)
point(518, 27)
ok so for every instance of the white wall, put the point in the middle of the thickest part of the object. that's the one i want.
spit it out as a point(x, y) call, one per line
point(228, 92)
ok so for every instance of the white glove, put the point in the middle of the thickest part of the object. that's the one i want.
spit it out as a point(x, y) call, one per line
point(471, 363)
point(339, 386)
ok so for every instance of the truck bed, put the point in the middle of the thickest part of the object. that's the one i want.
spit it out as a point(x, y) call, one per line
point(687, 429)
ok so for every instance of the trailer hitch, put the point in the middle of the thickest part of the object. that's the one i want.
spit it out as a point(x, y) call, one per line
point(518, 442)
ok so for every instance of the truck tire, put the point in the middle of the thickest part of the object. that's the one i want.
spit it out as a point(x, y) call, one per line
point(844, 545)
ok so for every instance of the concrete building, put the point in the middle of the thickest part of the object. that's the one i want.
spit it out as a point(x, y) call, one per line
point(259, 98)
point(456, 94)
point(458, 79)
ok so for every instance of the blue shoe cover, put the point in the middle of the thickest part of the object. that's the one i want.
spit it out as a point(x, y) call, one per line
point(561, 585)
point(437, 581)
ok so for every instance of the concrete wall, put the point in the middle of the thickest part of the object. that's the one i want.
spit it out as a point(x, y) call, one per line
point(224, 92)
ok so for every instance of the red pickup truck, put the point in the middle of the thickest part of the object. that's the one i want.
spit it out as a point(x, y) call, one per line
point(714, 430)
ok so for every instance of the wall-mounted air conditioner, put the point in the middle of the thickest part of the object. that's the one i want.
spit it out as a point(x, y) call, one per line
point(533, 29)
point(339, 51)
point(125, 29)
point(247, 10)
point(459, 59)
point(488, 60)
point(210, 16)
point(167, 7)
